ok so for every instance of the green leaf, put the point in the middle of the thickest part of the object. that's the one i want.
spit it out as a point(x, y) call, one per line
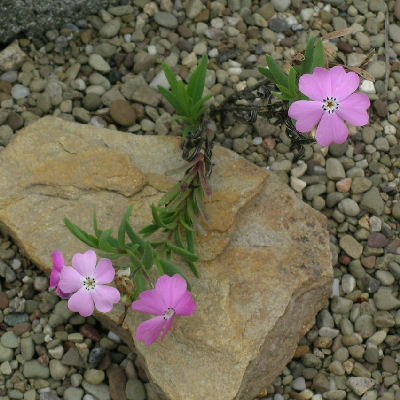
point(134, 258)
point(319, 57)
point(176, 103)
point(140, 283)
point(122, 227)
point(149, 229)
point(187, 255)
point(194, 269)
point(97, 231)
point(283, 89)
point(190, 239)
point(135, 238)
point(197, 106)
point(171, 194)
point(90, 240)
point(185, 224)
point(148, 256)
point(292, 82)
point(183, 98)
point(277, 72)
point(266, 72)
point(309, 55)
point(171, 78)
point(197, 80)
point(171, 269)
point(178, 237)
point(103, 242)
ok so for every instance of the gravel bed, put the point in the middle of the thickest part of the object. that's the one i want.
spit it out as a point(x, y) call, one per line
point(105, 72)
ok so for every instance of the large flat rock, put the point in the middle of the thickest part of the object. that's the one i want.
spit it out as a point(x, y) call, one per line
point(265, 261)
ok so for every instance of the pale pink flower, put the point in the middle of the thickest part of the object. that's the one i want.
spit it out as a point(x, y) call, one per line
point(58, 265)
point(169, 298)
point(88, 282)
point(332, 101)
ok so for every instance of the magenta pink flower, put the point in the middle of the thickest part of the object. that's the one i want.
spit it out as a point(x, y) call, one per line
point(58, 265)
point(88, 282)
point(169, 298)
point(332, 101)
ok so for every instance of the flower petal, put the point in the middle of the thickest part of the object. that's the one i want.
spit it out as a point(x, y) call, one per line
point(343, 84)
point(150, 330)
point(70, 280)
point(62, 294)
point(58, 260)
point(167, 327)
point(317, 86)
point(104, 272)
point(171, 289)
point(105, 297)
point(185, 305)
point(331, 129)
point(54, 277)
point(307, 113)
point(81, 302)
point(150, 302)
point(85, 263)
point(353, 109)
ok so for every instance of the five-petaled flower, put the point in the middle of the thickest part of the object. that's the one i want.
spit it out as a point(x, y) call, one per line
point(332, 101)
point(58, 265)
point(169, 298)
point(88, 282)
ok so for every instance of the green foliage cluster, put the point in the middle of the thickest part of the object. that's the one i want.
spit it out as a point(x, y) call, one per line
point(187, 100)
point(288, 85)
point(143, 254)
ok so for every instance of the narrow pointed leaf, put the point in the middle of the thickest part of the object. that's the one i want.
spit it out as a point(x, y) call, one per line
point(292, 82)
point(194, 269)
point(277, 72)
point(319, 59)
point(97, 231)
point(149, 229)
point(135, 238)
point(111, 256)
point(266, 72)
point(171, 194)
point(309, 55)
point(179, 108)
point(187, 255)
point(190, 240)
point(200, 80)
point(196, 106)
point(140, 283)
point(86, 238)
point(169, 74)
point(178, 237)
point(185, 224)
point(103, 242)
point(134, 258)
point(171, 269)
point(122, 227)
point(148, 256)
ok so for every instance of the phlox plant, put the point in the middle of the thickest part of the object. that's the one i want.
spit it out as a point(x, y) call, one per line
point(310, 93)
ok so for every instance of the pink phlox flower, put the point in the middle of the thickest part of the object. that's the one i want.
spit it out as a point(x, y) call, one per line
point(169, 298)
point(332, 101)
point(88, 282)
point(58, 265)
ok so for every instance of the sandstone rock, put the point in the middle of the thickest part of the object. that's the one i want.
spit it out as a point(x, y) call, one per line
point(264, 262)
point(12, 57)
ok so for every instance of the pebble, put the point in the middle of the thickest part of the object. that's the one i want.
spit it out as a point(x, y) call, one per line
point(72, 393)
point(281, 5)
point(9, 340)
point(165, 19)
point(94, 376)
point(135, 390)
point(110, 29)
point(20, 91)
point(33, 369)
point(98, 63)
point(360, 385)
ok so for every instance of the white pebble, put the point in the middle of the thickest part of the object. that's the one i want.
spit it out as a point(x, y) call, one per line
point(241, 86)
point(348, 283)
point(88, 49)
point(98, 122)
point(291, 20)
point(217, 23)
point(299, 384)
point(88, 397)
point(127, 37)
point(367, 87)
point(235, 64)
point(16, 264)
point(335, 287)
point(317, 396)
point(19, 91)
point(235, 71)
point(113, 336)
point(389, 129)
point(306, 14)
point(375, 224)
point(152, 50)
point(297, 184)
point(257, 140)
point(213, 53)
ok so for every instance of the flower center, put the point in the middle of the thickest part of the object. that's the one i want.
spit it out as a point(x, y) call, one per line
point(169, 313)
point(89, 283)
point(330, 104)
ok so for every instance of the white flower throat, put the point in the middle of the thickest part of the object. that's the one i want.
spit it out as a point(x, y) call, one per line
point(330, 104)
point(169, 313)
point(89, 283)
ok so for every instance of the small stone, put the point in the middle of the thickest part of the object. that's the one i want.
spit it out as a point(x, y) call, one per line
point(9, 340)
point(281, 5)
point(165, 19)
point(377, 68)
point(73, 393)
point(341, 305)
point(360, 385)
point(278, 25)
point(33, 369)
point(72, 358)
point(385, 300)
point(100, 392)
point(92, 102)
point(98, 63)
point(299, 384)
point(27, 348)
point(6, 354)
point(94, 376)
point(12, 57)
point(193, 8)
point(110, 29)
point(349, 207)
point(135, 390)
point(351, 246)
point(58, 371)
point(3, 300)
point(334, 169)
point(240, 145)
point(146, 95)
point(20, 91)
point(344, 185)
point(380, 107)
point(122, 113)
point(394, 32)
point(372, 202)
point(96, 356)
point(117, 382)
point(348, 283)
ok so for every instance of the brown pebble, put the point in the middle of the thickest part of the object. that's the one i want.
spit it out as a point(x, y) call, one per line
point(380, 108)
point(122, 112)
point(204, 16)
point(86, 36)
point(139, 110)
point(3, 300)
point(300, 351)
point(117, 382)
point(105, 362)
point(128, 62)
point(21, 328)
point(368, 262)
point(345, 260)
point(377, 240)
point(344, 185)
point(15, 120)
point(345, 47)
point(90, 332)
point(5, 87)
point(397, 9)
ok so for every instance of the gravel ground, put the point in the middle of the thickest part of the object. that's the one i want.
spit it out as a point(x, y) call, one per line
point(104, 72)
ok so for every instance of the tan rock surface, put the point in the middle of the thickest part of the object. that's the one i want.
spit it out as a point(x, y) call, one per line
point(265, 261)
